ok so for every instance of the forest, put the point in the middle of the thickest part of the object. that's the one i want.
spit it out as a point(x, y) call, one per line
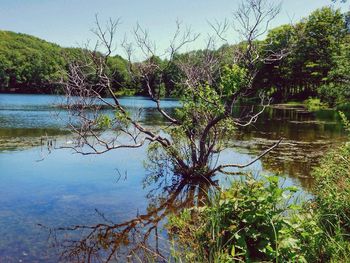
point(315, 64)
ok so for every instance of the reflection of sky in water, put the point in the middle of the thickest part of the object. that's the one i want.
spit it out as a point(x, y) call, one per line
point(63, 189)
point(40, 111)
point(20, 101)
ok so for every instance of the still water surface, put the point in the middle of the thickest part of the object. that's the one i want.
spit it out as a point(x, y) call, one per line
point(62, 189)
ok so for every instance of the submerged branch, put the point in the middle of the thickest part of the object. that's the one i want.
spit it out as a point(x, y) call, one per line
point(221, 168)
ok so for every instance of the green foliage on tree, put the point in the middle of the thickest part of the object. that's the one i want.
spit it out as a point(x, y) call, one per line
point(121, 81)
point(28, 62)
point(315, 47)
point(31, 65)
point(336, 90)
point(276, 77)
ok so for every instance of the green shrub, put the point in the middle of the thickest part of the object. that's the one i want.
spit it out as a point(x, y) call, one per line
point(254, 220)
point(314, 104)
point(334, 93)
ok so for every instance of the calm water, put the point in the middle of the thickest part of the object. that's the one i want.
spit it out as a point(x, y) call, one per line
point(63, 189)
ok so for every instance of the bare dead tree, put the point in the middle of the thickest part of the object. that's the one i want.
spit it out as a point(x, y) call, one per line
point(189, 144)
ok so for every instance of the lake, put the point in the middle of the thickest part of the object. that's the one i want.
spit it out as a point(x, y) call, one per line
point(41, 190)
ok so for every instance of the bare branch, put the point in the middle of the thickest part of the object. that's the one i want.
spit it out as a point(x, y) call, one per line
point(220, 28)
point(224, 166)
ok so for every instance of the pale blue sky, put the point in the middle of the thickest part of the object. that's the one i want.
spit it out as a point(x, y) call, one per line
point(68, 22)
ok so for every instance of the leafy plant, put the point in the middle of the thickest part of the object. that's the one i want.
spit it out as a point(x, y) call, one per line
point(314, 104)
point(254, 220)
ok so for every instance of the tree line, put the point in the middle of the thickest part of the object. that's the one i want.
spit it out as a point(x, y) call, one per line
point(317, 62)
point(31, 65)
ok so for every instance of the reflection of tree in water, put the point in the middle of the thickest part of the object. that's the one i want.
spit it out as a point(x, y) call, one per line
point(300, 170)
point(138, 238)
point(187, 147)
point(307, 136)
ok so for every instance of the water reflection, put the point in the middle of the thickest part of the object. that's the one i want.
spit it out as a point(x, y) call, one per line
point(307, 136)
point(139, 239)
point(22, 138)
point(25, 120)
point(66, 189)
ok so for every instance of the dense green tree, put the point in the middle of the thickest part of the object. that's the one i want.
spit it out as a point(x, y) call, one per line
point(276, 77)
point(314, 45)
point(119, 74)
point(323, 33)
point(28, 63)
point(336, 90)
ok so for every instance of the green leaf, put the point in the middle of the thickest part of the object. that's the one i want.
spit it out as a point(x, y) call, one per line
point(233, 251)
